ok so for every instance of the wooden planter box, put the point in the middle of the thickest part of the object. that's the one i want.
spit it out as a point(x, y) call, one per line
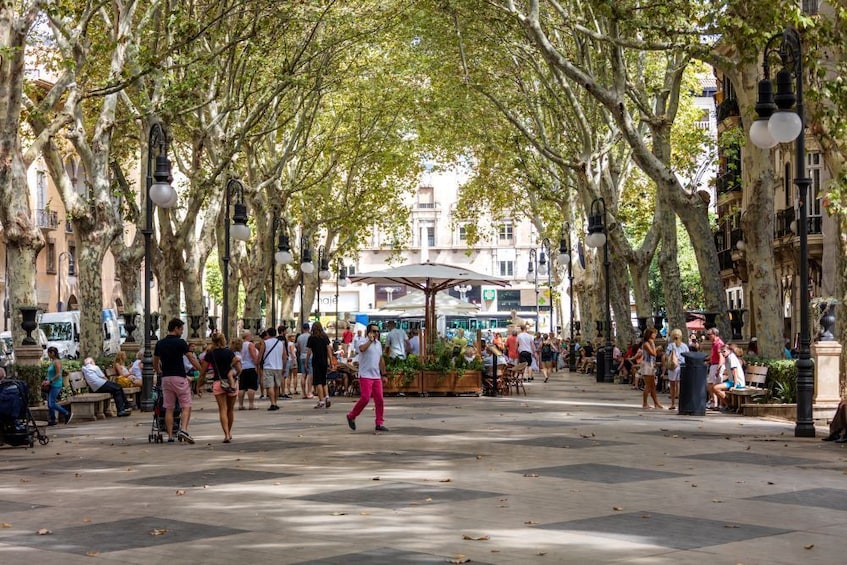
point(398, 384)
point(469, 382)
point(436, 382)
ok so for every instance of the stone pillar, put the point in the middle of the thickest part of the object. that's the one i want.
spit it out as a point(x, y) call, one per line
point(827, 355)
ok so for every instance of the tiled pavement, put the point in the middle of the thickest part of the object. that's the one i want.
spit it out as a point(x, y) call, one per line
point(575, 472)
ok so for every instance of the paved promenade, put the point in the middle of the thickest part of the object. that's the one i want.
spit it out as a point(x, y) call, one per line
point(575, 472)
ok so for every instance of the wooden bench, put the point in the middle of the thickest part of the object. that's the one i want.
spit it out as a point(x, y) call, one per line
point(88, 405)
point(755, 377)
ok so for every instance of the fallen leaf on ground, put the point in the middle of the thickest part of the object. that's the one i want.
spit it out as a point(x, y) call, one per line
point(375, 479)
point(158, 531)
point(339, 513)
point(531, 475)
point(86, 520)
point(428, 499)
point(718, 500)
point(92, 553)
point(446, 481)
point(808, 546)
point(617, 508)
point(541, 553)
point(646, 516)
point(530, 522)
point(731, 526)
point(43, 532)
point(5, 525)
point(24, 480)
point(471, 538)
point(180, 492)
point(459, 559)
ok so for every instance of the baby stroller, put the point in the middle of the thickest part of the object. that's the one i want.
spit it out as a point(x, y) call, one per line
point(17, 426)
point(159, 426)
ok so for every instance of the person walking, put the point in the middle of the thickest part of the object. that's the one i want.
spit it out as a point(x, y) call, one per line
point(318, 354)
point(176, 386)
point(274, 364)
point(396, 342)
point(226, 366)
point(54, 376)
point(648, 369)
point(675, 349)
point(249, 382)
point(371, 369)
point(302, 365)
point(546, 357)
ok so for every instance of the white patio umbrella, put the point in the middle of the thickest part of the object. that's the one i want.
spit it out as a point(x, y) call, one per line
point(429, 278)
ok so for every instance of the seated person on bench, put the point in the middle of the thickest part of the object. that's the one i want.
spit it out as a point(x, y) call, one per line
point(97, 382)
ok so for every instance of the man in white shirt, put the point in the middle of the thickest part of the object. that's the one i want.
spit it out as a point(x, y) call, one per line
point(396, 342)
point(526, 350)
point(274, 363)
point(371, 369)
point(415, 343)
point(97, 382)
point(357, 342)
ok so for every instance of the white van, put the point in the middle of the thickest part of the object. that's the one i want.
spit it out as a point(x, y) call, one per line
point(62, 331)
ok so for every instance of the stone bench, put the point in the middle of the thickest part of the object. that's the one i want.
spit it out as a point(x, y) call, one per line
point(133, 396)
point(91, 406)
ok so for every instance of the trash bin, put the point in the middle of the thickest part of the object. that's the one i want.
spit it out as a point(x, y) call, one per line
point(692, 384)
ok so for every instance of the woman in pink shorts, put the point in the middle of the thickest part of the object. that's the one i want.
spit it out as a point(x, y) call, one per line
point(227, 366)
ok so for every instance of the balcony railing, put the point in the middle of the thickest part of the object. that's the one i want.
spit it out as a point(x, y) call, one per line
point(728, 182)
point(46, 219)
point(785, 217)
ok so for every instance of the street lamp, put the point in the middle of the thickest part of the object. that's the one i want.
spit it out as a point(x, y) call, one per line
point(323, 274)
point(339, 282)
point(532, 277)
point(779, 123)
point(281, 257)
point(543, 269)
point(565, 257)
point(306, 268)
point(239, 231)
point(598, 235)
point(158, 190)
point(463, 290)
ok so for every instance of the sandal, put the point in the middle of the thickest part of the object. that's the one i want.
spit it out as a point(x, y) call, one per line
point(241, 407)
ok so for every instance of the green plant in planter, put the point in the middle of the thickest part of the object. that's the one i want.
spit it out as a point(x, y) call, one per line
point(781, 382)
point(441, 359)
point(402, 372)
point(32, 375)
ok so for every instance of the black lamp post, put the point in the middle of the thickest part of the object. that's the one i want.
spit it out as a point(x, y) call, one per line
point(598, 235)
point(544, 269)
point(306, 268)
point(339, 282)
point(281, 257)
point(780, 121)
point(239, 231)
point(532, 277)
point(565, 257)
point(163, 194)
point(323, 274)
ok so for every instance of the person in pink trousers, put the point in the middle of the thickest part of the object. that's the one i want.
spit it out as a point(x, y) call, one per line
point(371, 369)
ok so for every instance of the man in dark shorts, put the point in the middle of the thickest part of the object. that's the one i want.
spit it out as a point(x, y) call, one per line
point(319, 353)
point(176, 385)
